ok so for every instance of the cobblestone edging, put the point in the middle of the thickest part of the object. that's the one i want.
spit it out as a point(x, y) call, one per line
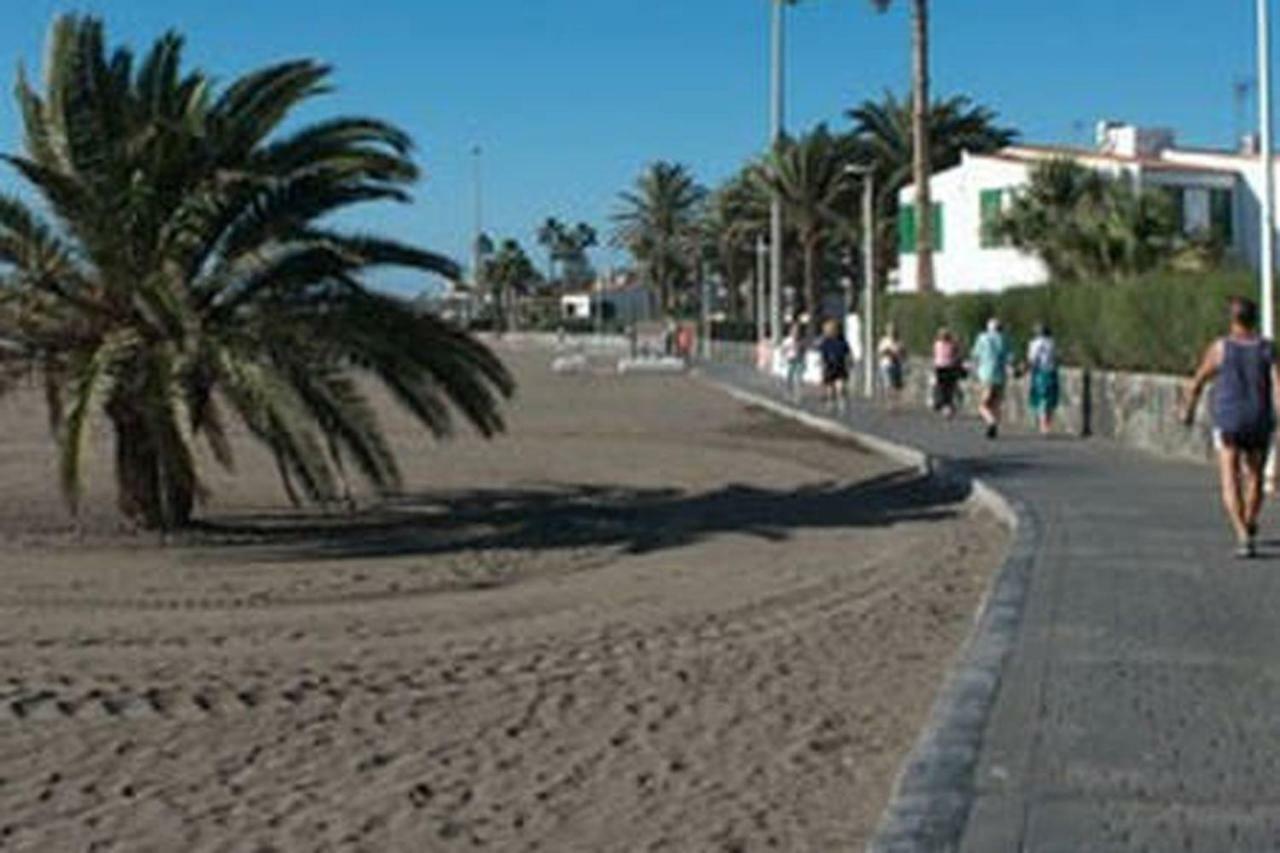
point(935, 788)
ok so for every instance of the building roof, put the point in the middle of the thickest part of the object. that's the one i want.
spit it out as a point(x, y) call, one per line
point(1024, 153)
point(1027, 153)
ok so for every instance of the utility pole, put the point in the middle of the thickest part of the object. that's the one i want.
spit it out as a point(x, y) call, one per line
point(762, 272)
point(477, 259)
point(777, 119)
point(869, 281)
point(1268, 259)
point(868, 176)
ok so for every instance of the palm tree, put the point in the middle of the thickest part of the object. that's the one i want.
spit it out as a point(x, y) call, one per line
point(657, 223)
point(810, 177)
point(921, 168)
point(551, 236)
point(180, 268)
point(509, 273)
point(574, 264)
point(1084, 224)
point(883, 135)
point(736, 215)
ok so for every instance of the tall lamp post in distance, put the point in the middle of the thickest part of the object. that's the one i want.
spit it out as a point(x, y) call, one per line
point(477, 273)
point(1268, 260)
point(776, 112)
point(867, 174)
point(762, 272)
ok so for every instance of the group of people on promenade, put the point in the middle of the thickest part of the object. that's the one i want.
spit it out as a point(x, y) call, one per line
point(990, 360)
point(1241, 365)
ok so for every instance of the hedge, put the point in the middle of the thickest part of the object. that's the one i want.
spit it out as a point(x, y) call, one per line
point(1158, 323)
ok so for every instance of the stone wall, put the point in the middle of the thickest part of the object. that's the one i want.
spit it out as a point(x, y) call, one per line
point(1138, 410)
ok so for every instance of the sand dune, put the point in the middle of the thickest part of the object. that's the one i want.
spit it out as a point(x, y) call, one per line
point(647, 619)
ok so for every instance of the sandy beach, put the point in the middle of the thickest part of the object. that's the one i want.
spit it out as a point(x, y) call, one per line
point(646, 619)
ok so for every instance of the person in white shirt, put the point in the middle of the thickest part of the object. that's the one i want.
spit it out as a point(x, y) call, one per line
point(892, 354)
point(1042, 365)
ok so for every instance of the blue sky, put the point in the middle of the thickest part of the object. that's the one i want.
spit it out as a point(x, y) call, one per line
point(570, 99)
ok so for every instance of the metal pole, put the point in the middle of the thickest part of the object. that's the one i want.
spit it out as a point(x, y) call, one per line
point(869, 276)
point(775, 207)
point(1268, 260)
point(705, 333)
point(762, 272)
point(477, 273)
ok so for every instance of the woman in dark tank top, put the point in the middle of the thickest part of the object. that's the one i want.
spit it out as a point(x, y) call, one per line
point(1244, 416)
point(1243, 412)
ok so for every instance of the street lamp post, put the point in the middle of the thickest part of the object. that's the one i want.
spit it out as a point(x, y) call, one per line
point(775, 207)
point(867, 174)
point(477, 261)
point(1268, 260)
point(762, 272)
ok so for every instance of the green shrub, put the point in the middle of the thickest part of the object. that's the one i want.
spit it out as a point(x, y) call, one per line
point(1158, 323)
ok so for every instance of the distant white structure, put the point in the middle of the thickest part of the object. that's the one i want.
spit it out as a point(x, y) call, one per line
point(1215, 191)
point(622, 299)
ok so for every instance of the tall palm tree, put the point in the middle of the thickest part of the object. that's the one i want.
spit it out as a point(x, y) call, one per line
point(181, 267)
point(883, 134)
point(575, 265)
point(810, 177)
point(551, 236)
point(921, 167)
point(509, 273)
point(657, 222)
point(736, 215)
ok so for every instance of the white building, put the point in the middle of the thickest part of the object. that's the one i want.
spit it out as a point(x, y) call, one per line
point(1216, 191)
point(622, 301)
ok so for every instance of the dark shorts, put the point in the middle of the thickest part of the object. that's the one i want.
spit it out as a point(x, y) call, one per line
point(1249, 441)
point(833, 373)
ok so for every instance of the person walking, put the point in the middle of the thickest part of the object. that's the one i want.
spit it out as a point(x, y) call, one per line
point(1042, 367)
point(835, 353)
point(948, 370)
point(1244, 415)
point(991, 359)
point(794, 352)
point(892, 355)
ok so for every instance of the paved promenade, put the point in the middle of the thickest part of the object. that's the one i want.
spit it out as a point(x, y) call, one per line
point(1139, 709)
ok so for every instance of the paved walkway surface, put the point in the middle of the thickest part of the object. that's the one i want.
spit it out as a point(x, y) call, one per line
point(1140, 707)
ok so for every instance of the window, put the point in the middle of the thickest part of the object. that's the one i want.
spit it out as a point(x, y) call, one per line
point(990, 207)
point(908, 232)
point(1221, 220)
point(907, 229)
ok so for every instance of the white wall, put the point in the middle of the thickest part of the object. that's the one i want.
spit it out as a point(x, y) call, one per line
point(963, 266)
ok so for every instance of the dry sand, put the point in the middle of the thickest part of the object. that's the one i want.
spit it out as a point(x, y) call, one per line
point(648, 619)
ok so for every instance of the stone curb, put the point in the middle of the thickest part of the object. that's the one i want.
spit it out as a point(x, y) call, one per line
point(935, 787)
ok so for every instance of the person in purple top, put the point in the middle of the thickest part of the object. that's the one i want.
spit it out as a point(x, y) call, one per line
point(1243, 367)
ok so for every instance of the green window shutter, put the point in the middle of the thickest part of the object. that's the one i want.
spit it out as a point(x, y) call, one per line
point(989, 202)
point(1220, 216)
point(907, 229)
point(939, 245)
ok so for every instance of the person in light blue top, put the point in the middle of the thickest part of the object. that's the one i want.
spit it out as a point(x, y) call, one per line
point(990, 356)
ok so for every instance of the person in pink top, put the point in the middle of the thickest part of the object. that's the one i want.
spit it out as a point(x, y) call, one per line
point(948, 370)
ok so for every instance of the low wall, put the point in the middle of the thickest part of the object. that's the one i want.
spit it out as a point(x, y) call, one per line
point(1138, 410)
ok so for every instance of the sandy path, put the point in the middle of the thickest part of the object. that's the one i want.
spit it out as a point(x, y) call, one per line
point(649, 619)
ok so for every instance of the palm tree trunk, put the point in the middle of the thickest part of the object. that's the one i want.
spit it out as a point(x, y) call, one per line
point(920, 143)
point(145, 494)
point(811, 285)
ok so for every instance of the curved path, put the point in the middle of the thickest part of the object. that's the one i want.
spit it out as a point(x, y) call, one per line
point(1138, 708)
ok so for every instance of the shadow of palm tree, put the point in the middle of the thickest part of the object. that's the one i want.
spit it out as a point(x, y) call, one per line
point(566, 515)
